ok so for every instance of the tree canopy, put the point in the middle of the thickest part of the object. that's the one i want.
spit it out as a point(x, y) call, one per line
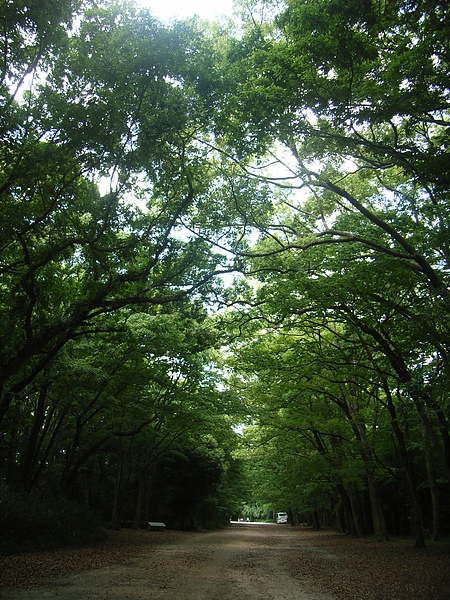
point(224, 263)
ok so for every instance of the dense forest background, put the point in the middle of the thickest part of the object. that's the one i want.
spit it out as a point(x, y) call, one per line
point(224, 267)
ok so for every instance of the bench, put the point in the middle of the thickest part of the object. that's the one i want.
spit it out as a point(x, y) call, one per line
point(156, 526)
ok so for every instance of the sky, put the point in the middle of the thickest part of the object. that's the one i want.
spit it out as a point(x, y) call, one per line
point(206, 9)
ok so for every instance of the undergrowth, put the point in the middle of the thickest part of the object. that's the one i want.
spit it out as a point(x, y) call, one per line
point(30, 522)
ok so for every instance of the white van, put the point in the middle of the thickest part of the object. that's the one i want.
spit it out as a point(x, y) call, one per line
point(282, 517)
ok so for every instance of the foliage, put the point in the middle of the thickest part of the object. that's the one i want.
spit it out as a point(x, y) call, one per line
point(306, 151)
point(108, 354)
point(36, 522)
point(345, 317)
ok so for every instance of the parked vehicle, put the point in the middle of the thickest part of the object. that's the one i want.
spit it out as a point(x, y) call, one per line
point(282, 517)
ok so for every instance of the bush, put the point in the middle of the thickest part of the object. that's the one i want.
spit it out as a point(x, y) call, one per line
point(38, 522)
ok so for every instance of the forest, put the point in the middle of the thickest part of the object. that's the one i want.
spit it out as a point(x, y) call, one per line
point(224, 268)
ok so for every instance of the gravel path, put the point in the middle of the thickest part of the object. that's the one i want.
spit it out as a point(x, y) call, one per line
point(241, 562)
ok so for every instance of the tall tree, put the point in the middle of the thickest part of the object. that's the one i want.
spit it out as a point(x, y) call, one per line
point(357, 138)
point(115, 98)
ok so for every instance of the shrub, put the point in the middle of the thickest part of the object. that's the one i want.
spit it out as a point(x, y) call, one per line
point(39, 522)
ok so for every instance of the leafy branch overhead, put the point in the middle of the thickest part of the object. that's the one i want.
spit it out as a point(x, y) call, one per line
point(224, 261)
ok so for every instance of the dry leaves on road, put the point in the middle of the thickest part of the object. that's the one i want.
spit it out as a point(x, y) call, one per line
point(393, 570)
point(29, 570)
point(347, 567)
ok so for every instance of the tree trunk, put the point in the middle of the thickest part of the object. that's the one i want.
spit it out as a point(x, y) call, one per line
point(443, 453)
point(356, 509)
point(347, 523)
point(31, 454)
point(379, 522)
point(139, 501)
point(436, 505)
point(115, 508)
point(315, 520)
point(411, 488)
point(415, 512)
point(350, 405)
point(378, 519)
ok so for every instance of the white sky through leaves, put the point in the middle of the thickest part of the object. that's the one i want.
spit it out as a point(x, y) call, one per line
point(206, 9)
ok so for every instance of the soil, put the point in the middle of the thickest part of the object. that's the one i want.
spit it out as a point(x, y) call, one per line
point(241, 562)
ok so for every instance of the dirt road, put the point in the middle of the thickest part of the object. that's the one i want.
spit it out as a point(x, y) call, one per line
point(241, 562)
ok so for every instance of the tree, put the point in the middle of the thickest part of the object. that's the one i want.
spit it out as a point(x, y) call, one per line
point(107, 355)
point(140, 161)
point(71, 254)
point(334, 96)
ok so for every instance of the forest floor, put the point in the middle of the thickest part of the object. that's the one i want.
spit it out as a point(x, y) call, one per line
point(240, 562)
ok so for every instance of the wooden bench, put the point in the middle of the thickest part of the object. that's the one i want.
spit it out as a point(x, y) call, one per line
point(156, 526)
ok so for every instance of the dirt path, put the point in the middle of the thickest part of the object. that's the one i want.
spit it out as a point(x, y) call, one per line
point(238, 563)
point(241, 562)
